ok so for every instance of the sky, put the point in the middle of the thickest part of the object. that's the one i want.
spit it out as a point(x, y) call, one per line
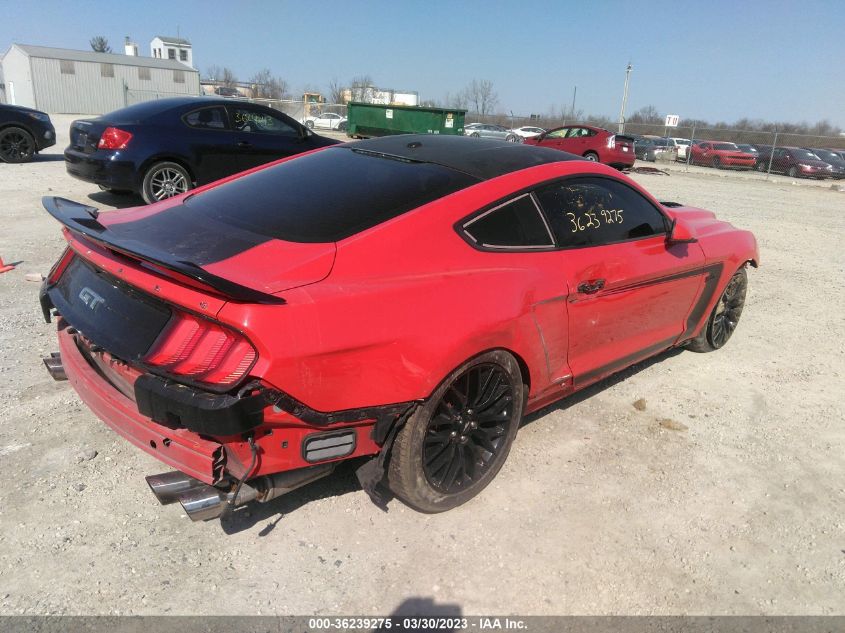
point(717, 60)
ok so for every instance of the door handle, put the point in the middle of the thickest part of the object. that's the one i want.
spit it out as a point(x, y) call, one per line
point(244, 144)
point(590, 287)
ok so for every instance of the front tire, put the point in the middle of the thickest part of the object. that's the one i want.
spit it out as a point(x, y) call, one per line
point(165, 180)
point(793, 172)
point(725, 316)
point(457, 441)
point(16, 145)
point(309, 125)
point(592, 156)
point(716, 163)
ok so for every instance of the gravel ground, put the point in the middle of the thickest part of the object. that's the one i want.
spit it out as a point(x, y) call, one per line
point(723, 495)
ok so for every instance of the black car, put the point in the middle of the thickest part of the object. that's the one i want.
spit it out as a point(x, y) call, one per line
point(23, 133)
point(163, 148)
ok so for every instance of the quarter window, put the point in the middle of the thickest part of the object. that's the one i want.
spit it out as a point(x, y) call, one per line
point(596, 211)
point(207, 118)
point(517, 224)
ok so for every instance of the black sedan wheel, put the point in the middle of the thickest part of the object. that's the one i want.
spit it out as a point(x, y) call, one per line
point(309, 125)
point(455, 444)
point(725, 316)
point(165, 180)
point(16, 145)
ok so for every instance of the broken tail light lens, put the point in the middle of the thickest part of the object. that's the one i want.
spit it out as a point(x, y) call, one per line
point(198, 350)
point(114, 138)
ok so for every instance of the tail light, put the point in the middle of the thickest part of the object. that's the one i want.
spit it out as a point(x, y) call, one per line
point(611, 141)
point(114, 138)
point(201, 351)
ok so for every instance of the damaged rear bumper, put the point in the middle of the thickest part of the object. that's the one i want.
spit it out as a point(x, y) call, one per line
point(180, 448)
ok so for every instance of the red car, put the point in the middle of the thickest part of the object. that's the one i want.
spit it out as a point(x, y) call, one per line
point(720, 154)
point(253, 332)
point(593, 143)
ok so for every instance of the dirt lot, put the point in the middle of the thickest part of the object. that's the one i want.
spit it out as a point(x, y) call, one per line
point(725, 495)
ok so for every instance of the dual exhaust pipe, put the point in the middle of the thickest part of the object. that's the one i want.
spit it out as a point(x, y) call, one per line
point(202, 502)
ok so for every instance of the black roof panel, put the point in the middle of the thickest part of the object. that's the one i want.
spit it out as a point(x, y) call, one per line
point(479, 157)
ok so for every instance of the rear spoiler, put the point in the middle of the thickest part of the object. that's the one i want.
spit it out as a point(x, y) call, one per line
point(82, 220)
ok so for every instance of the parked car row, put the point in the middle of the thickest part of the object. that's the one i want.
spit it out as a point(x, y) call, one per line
point(795, 162)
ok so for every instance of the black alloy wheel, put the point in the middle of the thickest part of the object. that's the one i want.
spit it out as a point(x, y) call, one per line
point(16, 145)
point(725, 316)
point(309, 125)
point(455, 443)
point(469, 426)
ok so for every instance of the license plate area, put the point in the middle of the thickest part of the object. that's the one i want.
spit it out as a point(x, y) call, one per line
point(109, 313)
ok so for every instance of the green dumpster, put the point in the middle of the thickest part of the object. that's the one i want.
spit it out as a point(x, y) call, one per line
point(371, 119)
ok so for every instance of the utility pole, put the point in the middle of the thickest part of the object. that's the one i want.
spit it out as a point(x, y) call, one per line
point(574, 92)
point(625, 99)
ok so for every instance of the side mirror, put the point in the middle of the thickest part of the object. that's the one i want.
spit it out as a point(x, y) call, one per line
point(679, 233)
point(540, 137)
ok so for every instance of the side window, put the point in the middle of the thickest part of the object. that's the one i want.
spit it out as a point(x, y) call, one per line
point(596, 211)
point(517, 224)
point(209, 118)
point(261, 122)
point(561, 133)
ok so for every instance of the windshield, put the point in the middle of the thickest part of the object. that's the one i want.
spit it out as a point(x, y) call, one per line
point(725, 146)
point(803, 154)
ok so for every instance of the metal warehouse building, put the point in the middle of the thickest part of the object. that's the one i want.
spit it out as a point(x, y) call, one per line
point(59, 80)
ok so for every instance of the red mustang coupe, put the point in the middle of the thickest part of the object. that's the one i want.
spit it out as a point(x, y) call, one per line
point(593, 143)
point(406, 299)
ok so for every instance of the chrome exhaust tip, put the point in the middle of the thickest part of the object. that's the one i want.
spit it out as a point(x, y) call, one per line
point(167, 487)
point(208, 502)
point(203, 502)
point(54, 366)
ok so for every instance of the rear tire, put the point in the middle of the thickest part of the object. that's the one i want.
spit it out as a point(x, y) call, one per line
point(725, 315)
point(457, 441)
point(16, 145)
point(592, 156)
point(165, 180)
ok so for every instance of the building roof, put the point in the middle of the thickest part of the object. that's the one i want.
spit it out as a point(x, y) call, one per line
point(178, 41)
point(479, 157)
point(101, 58)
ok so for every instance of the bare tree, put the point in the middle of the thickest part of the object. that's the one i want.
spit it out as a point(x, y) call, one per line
point(228, 78)
point(100, 44)
point(646, 114)
point(335, 91)
point(266, 86)
point(214, 73)
point(362, 88)
point(481, 96)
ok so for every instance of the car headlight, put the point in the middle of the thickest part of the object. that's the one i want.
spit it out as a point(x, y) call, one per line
point(40, 116)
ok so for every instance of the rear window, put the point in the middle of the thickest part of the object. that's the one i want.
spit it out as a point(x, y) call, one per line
point(326, 196)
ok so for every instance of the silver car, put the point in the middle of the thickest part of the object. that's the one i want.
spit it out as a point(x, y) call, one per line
point(486, 130)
